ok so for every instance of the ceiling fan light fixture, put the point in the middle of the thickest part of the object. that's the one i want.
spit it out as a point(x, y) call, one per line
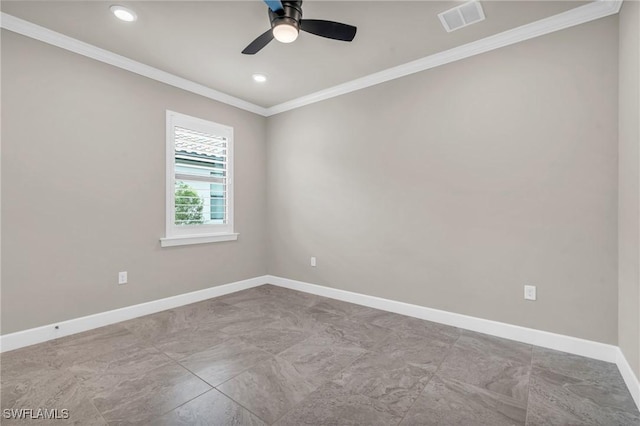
point(286, 21)
point(285, 33)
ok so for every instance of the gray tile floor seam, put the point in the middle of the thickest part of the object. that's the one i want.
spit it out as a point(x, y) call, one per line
point(301, 402)
point(66, 342)
point(210, 390)
point(152, 420)
point(175, 408)
point(267, 354)
point(170, 361)
point(275, 355)
point(310, 336)
point(212, 387)
point(246, 408)
point(231, 378)
point(101, 416)
point(254, 413)
point(177, 359)
point(288, 411)
point(211, 394)
point(498, 365)
point(526, 416)
point(431, 378)
point(148, 373)
point(529, 386)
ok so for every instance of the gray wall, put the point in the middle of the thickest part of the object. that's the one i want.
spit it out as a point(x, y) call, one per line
point(451, 188)
point(83, 189)
point(629, 185)
point(454, 187)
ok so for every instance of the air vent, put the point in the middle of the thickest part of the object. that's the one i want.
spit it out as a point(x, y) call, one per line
point(462, 16)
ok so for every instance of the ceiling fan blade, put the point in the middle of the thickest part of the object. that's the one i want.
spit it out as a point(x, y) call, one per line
point(256, 45)
point(274, 5)
point(329, 29)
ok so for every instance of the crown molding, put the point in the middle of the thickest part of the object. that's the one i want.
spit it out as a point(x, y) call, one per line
point(570, 18)
point(580, 15)
point(29, 29)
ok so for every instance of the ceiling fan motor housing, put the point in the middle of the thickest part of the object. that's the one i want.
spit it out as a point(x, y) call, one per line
point(290, 14)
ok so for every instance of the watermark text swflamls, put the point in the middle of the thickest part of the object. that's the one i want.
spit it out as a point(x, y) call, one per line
point(35, 413)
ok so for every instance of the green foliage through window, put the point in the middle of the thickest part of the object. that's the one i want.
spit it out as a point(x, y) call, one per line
point(189, 205)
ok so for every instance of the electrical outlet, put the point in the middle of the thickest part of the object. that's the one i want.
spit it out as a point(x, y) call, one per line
point(530, 292)
point(122, 277)
point(313, 261)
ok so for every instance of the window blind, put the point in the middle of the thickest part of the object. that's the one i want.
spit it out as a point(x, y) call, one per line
point(201, 178)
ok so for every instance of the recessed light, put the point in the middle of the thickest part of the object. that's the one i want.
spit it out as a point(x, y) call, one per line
point(259, 78)
point(123, 13)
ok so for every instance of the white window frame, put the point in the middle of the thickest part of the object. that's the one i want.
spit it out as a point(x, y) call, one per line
point(177, 235)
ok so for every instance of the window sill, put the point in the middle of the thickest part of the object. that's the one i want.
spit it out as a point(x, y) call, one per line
point(184, 240)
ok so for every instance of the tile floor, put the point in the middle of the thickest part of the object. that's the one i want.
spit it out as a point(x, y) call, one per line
point(274, 356)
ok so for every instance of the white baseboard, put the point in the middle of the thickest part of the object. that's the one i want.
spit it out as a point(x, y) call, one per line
point(574, 345)
point(629, 377)
point(32, 336)
point(545, 339)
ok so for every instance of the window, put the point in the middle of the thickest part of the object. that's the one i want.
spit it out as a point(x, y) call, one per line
point(199, 181)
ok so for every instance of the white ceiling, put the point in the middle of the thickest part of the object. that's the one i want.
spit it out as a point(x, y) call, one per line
point(202, 40)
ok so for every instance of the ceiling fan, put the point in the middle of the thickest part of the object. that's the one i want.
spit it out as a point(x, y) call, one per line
point(286, 23)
